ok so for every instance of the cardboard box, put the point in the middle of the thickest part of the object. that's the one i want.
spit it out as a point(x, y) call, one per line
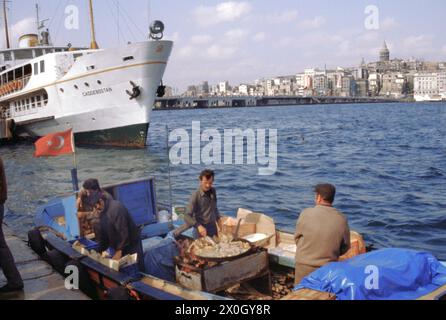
point(263, 223)
point(230, 227)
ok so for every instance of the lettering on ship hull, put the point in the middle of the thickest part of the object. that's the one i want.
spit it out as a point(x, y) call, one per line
point(97, 92)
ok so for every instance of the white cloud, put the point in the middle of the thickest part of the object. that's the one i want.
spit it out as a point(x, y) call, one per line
point(344, 48)
point(221, 52)
point(175, 37)
point(418, 42)
point(209, 53)
point(24, 26)
point(282, 17)
point(368, 37)
point(201, 39)
point(443, 50)
point(235, 35)
point(259, 37)
point(313, 23)
point(185, 52)
point(388, 24)
point(286, 41)
point(223, 12)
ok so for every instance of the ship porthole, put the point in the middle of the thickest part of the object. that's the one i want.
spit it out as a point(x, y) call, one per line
point(62, 90)
point(87, 84)
point(76, 87)
point(99, 82)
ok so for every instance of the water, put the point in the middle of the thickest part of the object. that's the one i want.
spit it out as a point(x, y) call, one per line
point(388, 162)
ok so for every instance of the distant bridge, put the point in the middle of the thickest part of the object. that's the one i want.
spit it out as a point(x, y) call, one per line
point(263, 101)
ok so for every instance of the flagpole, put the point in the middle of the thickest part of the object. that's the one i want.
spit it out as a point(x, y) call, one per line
point(74, 176)
point(169, 169)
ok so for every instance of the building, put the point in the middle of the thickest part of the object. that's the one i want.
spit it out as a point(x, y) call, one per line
point(203, 89)
point(223, 88)
point(374, 84)
point(246, 90)
point(348, 86)
point(361, 72)
point(362, 87)
point(394, 84)
point(170, 92)
point(320, 84)
point(191, 91)
point(214, 90)
point(385, 77)
point(430, 86)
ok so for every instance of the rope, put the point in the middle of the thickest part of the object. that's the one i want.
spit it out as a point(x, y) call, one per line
point(126, 14)
point(115, 20)
point(55, 12)
point(60, 23)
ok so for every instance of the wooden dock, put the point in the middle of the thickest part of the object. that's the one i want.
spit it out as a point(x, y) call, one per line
point(41, 281)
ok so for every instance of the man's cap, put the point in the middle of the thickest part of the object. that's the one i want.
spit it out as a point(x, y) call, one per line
point(91, 184)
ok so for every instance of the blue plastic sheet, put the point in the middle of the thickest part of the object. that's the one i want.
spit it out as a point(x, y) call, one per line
point(389, 274)
point(159, 260)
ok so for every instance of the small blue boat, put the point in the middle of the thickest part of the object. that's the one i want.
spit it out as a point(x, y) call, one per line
point(264, 273)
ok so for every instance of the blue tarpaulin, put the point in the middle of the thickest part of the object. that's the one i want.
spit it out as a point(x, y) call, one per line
point(159, 259)
point(389, 274)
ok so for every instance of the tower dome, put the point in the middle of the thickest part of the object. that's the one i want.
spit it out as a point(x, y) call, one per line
point(384, 54)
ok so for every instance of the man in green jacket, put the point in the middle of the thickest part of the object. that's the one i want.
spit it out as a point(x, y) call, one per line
point(7, 264)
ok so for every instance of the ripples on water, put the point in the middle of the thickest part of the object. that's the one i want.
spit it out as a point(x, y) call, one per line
point(388, 162)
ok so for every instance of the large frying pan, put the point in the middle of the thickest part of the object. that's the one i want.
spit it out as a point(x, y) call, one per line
point(225, 259)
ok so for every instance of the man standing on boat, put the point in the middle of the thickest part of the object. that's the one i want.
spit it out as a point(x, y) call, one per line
point(202, 212)
point(322, 234)
point(7, 264)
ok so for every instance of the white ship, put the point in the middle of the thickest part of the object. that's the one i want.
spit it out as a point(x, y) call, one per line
point(104, 95)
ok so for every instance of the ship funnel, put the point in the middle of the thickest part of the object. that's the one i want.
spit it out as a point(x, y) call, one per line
point(28, 41)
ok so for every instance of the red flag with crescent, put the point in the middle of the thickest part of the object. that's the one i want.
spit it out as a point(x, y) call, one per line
point(55, 144)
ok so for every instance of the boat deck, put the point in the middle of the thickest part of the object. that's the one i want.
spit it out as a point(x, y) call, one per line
point(41, 281)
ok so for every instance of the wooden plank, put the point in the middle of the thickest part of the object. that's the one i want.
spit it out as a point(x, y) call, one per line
point(307, 294)
point(436, 295)
point(176, 290)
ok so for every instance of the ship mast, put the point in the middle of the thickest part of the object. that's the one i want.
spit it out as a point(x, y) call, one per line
point(93, 44)
point(8, 46)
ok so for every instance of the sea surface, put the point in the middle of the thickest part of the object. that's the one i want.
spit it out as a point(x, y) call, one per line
point(388, 162)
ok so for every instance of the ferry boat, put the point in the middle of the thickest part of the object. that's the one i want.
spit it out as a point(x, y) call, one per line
point(105, 95)
point(248, 277)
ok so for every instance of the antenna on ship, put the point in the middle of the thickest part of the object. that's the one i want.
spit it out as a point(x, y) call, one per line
point(45, 35)
point(5, 17)
point(93, 44)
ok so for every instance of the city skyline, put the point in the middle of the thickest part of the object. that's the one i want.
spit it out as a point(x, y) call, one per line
point(240, 41)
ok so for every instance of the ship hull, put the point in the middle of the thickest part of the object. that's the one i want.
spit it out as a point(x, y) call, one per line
point(134, 136)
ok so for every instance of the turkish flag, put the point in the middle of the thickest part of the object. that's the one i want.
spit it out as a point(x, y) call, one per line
point(55, 144)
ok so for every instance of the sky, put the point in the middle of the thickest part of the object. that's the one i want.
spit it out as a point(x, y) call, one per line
point(240, 41)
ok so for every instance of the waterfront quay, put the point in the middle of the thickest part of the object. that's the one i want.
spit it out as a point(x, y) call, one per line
point(41, 281)
point(263, 101)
